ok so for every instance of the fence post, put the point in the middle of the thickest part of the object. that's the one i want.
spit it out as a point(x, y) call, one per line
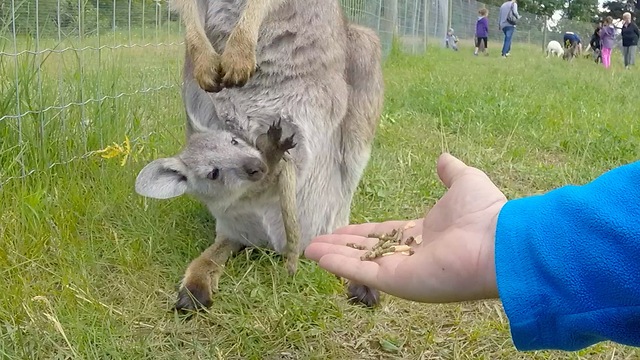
point(390, 23)
point(449, 15)
point(544, 32)
point(425, 20)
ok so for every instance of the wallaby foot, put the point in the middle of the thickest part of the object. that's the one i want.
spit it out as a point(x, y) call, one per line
point(238, 60)
point(202, 275)
point(361, 294)
point(194, 294)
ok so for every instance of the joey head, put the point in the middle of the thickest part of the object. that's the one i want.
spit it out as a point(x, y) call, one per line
point(216, 167)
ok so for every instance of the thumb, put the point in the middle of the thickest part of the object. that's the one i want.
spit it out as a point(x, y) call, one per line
point(450, 169)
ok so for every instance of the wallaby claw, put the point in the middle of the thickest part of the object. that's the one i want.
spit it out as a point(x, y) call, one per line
point(237, 63)
point(206, 72)
point(275, 136)
point(275, 132)
point(272, 145)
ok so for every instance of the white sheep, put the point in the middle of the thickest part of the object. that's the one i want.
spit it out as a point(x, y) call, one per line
point(555, 48)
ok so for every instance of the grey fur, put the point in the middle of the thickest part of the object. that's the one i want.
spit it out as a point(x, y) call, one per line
point(320, 74)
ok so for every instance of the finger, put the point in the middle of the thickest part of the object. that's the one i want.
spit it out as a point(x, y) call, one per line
point(363, 272)
point(342, 240)
point(316, 250)
point(450, 169)
point(371, 228)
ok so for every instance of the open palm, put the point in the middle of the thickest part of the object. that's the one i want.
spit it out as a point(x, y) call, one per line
point(455, 261)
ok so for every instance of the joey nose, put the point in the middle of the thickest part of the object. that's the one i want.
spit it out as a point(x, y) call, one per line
point(255, 169)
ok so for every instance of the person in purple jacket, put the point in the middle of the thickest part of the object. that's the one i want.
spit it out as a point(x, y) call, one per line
point(482, 31)
point(565, 264)
point(607, 39)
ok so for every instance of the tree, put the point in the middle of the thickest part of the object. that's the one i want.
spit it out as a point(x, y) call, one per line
point(542, 7)
point(615, 9)
point(581, 10)
point(535, 7)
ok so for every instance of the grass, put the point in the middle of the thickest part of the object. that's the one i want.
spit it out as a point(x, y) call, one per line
point(90, 268)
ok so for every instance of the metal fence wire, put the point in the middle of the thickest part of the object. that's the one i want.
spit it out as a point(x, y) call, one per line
point(66, 89)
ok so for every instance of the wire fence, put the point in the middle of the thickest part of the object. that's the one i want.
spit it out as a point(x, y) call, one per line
point(461, 15)
point(78, 75)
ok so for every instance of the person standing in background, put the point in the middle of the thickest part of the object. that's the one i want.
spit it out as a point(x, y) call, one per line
point(482, 31)
point(594, 43)
point(630, 34)
point(507, 23)
point(607, 40)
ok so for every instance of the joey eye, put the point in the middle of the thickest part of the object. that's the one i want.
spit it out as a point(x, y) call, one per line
point(214, 174)
point(234, 141)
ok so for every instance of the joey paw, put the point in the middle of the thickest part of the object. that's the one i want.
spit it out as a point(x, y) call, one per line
point(275, 137)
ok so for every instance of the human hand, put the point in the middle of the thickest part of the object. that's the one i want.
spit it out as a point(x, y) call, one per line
point(455, 262)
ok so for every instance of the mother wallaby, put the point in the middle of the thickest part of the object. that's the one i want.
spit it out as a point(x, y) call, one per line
point(296, 60)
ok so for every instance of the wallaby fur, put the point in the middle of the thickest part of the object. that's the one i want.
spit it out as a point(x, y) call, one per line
point(571, 52)
point(319, 79)
point(237, 63)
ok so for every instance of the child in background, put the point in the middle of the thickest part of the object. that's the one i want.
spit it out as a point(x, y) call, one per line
point(607, 40)
point(482, 31)
point(451, 40)
point(594, 43)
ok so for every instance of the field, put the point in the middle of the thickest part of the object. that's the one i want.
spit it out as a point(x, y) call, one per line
point(90, 268)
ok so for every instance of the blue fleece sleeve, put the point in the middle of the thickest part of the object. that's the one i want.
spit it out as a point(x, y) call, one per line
point(568, 264)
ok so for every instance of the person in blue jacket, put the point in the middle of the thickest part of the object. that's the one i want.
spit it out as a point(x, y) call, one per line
point(565, 264)
point(570, 40)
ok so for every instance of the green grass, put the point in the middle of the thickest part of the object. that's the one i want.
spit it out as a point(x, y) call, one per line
point(89, 268)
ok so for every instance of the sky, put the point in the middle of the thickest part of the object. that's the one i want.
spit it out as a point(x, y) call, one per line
point(600, 2)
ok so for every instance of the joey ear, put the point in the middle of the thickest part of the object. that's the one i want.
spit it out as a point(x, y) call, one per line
point(162, 179)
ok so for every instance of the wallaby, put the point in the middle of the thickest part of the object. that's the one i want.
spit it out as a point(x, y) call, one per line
point(316, 72)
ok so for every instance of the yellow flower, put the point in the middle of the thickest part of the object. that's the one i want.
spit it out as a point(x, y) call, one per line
point(116, 150)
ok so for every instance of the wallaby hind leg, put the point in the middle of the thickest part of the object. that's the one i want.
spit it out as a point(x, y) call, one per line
point(274, 149)
point(203, 273)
